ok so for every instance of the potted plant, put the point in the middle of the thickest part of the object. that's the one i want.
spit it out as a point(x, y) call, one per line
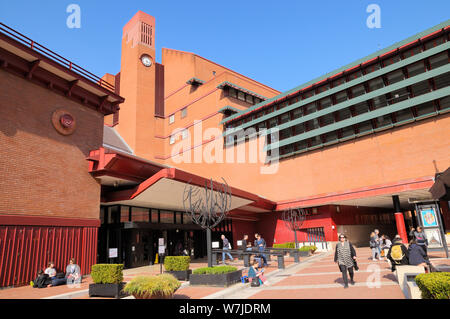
point(222, 276)
point(153, 287)
point(178, 266)
point(108, 280)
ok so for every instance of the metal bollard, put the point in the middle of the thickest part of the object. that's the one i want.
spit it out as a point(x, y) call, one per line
point(280, 262)
point(246, 260)
point(214, 258)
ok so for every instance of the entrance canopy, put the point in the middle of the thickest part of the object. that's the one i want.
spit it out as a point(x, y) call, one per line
point(130, 180)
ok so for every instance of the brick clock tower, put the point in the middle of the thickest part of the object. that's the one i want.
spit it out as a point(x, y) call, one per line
point(142, 86)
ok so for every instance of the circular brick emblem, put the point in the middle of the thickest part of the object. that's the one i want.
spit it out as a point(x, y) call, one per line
point(63, 121)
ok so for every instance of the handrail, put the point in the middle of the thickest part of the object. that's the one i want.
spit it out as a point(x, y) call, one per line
point(54, 56)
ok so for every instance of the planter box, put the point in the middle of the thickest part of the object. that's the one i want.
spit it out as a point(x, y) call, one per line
point(181, 274)
point(106, 290)
point(220, 280)
point(304, 253)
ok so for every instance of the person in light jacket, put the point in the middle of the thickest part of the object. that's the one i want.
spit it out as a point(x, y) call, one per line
point(421, 239)
point(73, 272)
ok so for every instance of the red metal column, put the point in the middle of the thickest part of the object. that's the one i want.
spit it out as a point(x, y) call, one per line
point(401, 229)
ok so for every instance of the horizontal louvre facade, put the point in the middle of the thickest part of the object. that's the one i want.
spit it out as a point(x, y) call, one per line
point(406, 85)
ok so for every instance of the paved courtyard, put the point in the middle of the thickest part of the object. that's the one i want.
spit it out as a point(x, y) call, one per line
point(316, 277)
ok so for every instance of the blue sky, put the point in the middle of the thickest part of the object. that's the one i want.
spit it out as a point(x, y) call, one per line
point(280, 43)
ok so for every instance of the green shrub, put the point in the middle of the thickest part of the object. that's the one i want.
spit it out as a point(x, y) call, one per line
point(214, 270)
point(107, 273)
point(284, 245)
point(177, 263)
point(434, 285)
point(308, 248)
point(160, 285)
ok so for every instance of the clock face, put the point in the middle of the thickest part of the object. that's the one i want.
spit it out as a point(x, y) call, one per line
point(146, 60)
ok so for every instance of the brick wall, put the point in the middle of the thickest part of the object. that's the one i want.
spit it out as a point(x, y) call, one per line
point(41, 171)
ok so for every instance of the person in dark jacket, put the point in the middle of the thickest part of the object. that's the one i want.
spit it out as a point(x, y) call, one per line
point(42, 280)
point(345, 256)
point(421, 239)
point(417, 255)
point(404, 260)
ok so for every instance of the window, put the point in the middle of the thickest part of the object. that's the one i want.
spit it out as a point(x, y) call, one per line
point(323, 88)
point(425, 109)
point(416, 68)
point(310, 108)
point(435, 42)
point(444, 103)
point(372, 68)
point(361, 108)
point(358, 90)
point(184, 112)
point(155, 216)
point(391, 60)
point(284, 118)
point(355, 75)
point(420, 88)
point(331, 137)
point(302, 145)
point(249, 98)
point(399, 95)
point(338, 82)
point(314, 141)
point(166, 217)
point(184, 134)
point(273, 122)
point(379, 101)
point(299, 129)
point(365, 127)
point(285, 133)
point(241, 96)
point(385, 120)
point(324, 103)
point(376, 84)
point(411, 52)
point(171, 118)
point(261, 126)
point(344, 114)
point(442, 80)
point(347, 132)
point(395, 76)
point(327, 119)
point(297, 113)
point(232, 92)
point(308, 94)
point(404, 115)
point(124, 214)
point(341, 97)
point(172, 139)
point(438, 60)
point(139, 214)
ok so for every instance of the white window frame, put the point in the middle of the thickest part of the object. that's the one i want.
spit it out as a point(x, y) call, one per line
point(172, 139)
point(171, 118)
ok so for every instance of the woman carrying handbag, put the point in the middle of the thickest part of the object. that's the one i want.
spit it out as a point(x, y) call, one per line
point(345, 257)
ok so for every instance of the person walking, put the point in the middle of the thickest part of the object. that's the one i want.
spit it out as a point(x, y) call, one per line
point(374, 246)
point(226, 246)
point(385, 245)
point(261, 244)
point(398, 253)
point(345, 257)
point(421, 239)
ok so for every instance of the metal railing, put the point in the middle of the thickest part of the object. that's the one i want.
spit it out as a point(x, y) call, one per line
point(54, 56)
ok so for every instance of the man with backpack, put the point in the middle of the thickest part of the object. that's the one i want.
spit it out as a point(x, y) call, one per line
point(398, 253)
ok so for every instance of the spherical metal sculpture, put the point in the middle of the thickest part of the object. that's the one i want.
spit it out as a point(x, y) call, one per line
point(293, 219)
